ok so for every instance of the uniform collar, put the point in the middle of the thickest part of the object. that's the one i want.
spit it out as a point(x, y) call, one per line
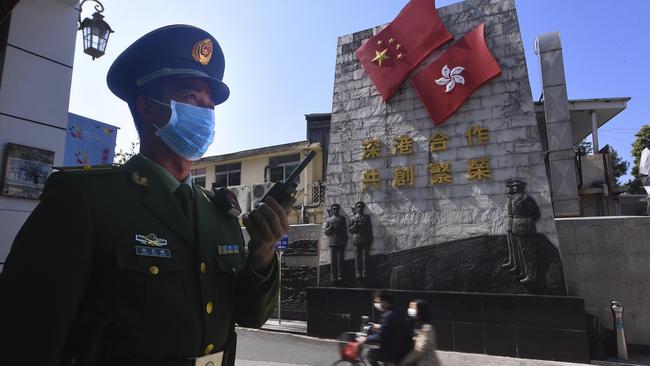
point(167, 178)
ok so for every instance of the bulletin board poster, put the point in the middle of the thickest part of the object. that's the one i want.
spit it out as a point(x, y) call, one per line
point(88, 142)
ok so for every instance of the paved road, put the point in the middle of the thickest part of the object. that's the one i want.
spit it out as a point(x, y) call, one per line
point(257, 348)
point(264, 348)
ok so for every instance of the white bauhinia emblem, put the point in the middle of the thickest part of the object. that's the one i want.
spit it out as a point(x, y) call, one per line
point(450, 78)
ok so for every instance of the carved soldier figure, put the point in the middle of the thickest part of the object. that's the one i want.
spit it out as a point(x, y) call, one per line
point(522, 246)
point(335, 229)
point(361, 230)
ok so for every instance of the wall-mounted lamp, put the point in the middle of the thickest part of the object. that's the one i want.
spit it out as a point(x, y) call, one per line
point(95, 31)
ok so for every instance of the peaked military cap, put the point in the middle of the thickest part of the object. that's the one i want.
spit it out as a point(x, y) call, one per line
point(177, 51)
point(515, 182)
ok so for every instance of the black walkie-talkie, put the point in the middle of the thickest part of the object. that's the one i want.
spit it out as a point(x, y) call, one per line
point(284, 192)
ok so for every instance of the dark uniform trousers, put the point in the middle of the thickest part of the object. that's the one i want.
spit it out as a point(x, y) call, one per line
point(107, 267)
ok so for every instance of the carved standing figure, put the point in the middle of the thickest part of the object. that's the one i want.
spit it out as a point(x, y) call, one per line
point(361, 230)
point(522, 246)
point(335, 229)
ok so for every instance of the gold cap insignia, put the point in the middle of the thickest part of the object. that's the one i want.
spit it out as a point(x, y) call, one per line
point(202, 51)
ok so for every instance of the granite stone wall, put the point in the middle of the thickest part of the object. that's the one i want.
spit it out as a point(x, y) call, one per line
point(605, 259)
point(425, 214)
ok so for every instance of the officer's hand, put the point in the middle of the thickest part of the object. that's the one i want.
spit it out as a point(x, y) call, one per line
point(265, 224)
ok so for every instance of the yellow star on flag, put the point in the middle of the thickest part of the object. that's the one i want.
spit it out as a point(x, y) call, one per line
point(380, 56)
point(390, 41)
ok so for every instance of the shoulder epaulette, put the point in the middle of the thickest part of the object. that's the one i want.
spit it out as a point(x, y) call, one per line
point(206, 191)
point(88, 168)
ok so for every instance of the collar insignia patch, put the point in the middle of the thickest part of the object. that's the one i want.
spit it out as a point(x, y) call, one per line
point(137, 179)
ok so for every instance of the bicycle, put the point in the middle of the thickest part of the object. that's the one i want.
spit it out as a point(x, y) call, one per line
point(351, 351)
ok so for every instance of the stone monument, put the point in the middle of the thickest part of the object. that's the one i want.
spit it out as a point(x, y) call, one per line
point(428, 140)
point(429, 181)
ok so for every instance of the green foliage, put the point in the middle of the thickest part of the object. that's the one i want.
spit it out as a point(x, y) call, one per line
point(619, 166)
point(636, 184)
point(122, 156)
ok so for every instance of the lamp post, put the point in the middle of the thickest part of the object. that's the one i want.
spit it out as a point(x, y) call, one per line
point(95, 31)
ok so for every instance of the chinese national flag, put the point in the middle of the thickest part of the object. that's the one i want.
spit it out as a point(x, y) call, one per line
point(390, 55)
point(445, 84)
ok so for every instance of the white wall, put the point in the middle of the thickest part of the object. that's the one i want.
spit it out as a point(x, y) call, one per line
point(35, 92)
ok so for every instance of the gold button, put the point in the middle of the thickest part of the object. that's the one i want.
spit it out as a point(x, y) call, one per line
point(208, 349)
point(154, 270)
point(203, 267)
point(208, 307)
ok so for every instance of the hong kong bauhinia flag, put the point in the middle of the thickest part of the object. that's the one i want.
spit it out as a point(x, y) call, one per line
point(390, 55)
point(445, 84)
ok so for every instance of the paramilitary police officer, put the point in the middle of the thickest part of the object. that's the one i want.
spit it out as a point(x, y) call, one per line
point(136, 265)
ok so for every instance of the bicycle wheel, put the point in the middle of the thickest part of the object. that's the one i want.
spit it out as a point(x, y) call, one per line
point(340, 362)
point(344, 362)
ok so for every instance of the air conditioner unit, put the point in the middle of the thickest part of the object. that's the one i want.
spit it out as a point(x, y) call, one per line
point(258, 190)
point(243, 196)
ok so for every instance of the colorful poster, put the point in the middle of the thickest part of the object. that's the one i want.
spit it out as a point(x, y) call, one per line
point(88, 142)
point(26, 169)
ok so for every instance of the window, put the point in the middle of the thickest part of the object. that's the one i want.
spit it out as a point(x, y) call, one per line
point(282, 166)
point(198, 176)
point(227, 175)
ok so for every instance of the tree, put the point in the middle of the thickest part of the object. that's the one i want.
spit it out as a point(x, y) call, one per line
point(122, 156)
point(636, 184)
point(619, 166)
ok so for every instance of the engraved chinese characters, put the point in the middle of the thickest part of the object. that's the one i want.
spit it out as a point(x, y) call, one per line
point(361, 230)
point(337, 233)
point(522, 246)
point(440, 172)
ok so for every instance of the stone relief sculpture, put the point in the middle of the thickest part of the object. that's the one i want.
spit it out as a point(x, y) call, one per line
point(361, 230)
point(522, 246)
point(336, 231)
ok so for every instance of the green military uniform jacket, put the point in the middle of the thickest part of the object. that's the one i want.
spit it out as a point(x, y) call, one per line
point(78, 265)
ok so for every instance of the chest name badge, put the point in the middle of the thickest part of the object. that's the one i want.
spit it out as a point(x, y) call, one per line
point(152, 252)
point(153, 246)
point(228, 249)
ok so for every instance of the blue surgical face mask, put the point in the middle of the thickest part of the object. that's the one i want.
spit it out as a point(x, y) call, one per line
point(190, 130)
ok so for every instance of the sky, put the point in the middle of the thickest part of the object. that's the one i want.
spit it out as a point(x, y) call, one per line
point(280, 58)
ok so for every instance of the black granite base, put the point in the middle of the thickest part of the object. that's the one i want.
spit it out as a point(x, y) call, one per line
point(466, 265)
point(526, 326)
point(295, 281)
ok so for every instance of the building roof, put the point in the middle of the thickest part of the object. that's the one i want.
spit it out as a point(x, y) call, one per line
point(313, 117)
point(580, 111)
point(268, 150)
